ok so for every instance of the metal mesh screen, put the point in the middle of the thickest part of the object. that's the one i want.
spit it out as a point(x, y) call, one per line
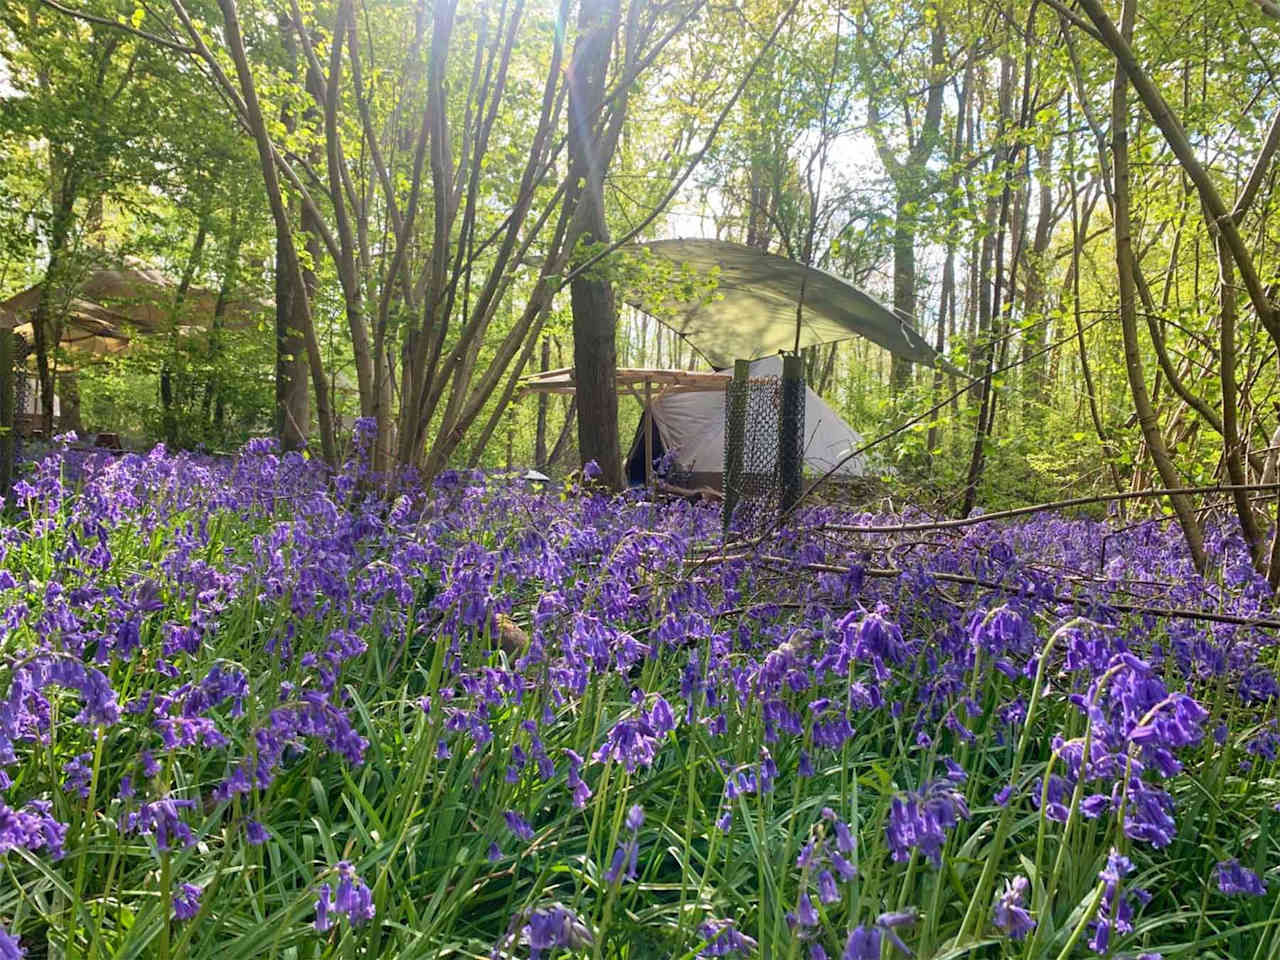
point(791, 434)
point(751, 495)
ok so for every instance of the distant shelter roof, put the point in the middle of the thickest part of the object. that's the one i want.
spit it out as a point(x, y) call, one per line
point(108, 306)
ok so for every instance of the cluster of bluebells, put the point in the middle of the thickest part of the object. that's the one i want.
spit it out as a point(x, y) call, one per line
point(825, 865)
point(622, 866)
point(920, 820)
point(1116, 910)
point(352, 899)
point(543, 930)
point(616, 609)
point(1010, 914)
point(1236, 879)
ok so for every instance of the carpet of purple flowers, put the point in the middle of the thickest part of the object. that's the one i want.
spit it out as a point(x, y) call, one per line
point(251, 710)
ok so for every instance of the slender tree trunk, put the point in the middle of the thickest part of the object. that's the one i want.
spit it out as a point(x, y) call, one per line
point(293, 411)
point(948, 297)
point(990, 303)
point(1231, 445)
point(169, 413)
point(1037, 269)
point(1147, 418)
point(46, 327)
point(8, 409)
point(266, 157)
point(594, 309)
point(904, 284)
point(566, 432)
point(540, 433)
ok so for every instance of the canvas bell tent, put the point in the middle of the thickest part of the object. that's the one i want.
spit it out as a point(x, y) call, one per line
point(688, 428)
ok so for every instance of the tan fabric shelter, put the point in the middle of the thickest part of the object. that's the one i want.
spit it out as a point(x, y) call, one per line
point(111, 305)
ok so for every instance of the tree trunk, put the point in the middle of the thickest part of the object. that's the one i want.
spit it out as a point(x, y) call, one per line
point(1128, 310)
point(540, 434)
point(594, 309)
point(1231, 445)
point(8, 405)
point(46, 328)
point(566, 431)
point(948, 297)
point(293, 411)
point(267, 161)
point(989, 305)
point(904, 286)
point(1037, 269)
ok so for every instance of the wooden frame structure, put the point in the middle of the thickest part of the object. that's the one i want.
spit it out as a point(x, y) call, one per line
point(629, 378)
point(639, 383)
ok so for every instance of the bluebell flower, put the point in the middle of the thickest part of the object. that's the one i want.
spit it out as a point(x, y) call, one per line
point(353, 897)
point(632, 742)
point(843, 867)
point(186, 903)
point(806, 915)
point(1010, 913)
point(723, 938)
point(863, 944)
point(1115, 912)
point(10, 947)
point(920, 820)
point(518, 825)
point(1235, 879)
point(79, 771)
point(635, 818)
point(556, 926)
point(827, 891)
point(324, 904)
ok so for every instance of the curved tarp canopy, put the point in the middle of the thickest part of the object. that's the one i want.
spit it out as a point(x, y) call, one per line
point(750, 312)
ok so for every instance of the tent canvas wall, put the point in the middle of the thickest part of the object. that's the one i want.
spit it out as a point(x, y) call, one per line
point(691, 428)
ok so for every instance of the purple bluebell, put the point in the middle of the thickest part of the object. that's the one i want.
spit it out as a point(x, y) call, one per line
point(186, 903)
point(10, 947)
point(1115, 912)
point(1010, 914)
point(805, 914)
point(553, 927)
point(1234, 879)
point(518, 825)
point(324, 904)
point(828, 892)
point(919, 821)
point(723, 939)
point(353, 896)
point(863, 944)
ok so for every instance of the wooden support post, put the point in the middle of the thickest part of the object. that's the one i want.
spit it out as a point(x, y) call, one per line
point(736, 431)
point(8, 413)
point(647, 419)
point(791, 432)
